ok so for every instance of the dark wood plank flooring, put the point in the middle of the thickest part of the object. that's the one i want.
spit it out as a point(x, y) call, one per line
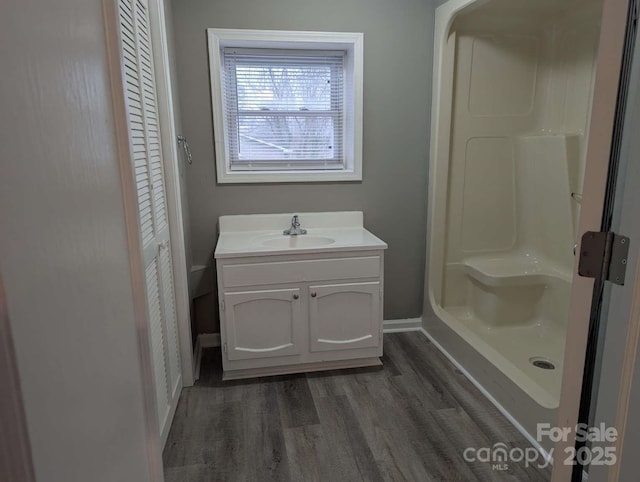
point(410, 420)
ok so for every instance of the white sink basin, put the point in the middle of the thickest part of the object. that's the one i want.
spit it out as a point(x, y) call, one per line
point(301, 241)
point(261, 235)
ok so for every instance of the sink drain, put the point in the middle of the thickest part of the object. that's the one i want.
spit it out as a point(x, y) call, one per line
point(542, 363)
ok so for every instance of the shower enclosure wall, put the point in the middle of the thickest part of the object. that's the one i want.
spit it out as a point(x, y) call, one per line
point(512, 98)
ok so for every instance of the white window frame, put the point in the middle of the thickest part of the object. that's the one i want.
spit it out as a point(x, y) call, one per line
point(350, 43)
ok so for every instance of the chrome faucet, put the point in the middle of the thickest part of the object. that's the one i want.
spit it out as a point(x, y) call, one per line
point(295, 229)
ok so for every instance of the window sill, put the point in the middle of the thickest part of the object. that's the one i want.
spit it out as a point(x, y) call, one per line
point(243, 177)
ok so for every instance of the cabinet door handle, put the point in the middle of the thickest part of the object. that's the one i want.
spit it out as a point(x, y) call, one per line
point(295, 297)
point(314, 294)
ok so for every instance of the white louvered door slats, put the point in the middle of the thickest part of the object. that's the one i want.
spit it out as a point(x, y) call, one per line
point(157, 339)
point(146, 148)
point(151, 116)
point(137, 132)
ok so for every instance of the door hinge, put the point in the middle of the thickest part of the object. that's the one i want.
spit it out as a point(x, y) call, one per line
point(222, 305)
point(603, 256)
point(224, 347)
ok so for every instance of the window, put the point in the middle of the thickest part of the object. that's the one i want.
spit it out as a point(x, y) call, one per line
point(287, 106)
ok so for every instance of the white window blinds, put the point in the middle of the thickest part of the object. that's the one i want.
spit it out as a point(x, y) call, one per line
point(284, 109)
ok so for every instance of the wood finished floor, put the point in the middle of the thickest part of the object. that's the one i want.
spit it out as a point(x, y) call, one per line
point(410, 420)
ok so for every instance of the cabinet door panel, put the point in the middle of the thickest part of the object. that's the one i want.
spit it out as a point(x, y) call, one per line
point(344, 316)
point(263, 324)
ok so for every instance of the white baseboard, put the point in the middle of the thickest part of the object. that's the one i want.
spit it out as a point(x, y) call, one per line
point(489, 397)
point(398, 326)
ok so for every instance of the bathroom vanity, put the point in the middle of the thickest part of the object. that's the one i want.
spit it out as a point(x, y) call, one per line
point(298, 303)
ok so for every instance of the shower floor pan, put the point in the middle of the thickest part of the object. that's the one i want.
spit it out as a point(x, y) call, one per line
point(513, 349)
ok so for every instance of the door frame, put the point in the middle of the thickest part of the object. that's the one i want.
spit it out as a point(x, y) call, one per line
point(603, 114)
point(134, 239)
point(623, 420)
point(626, 422)
point(616, 380)
point(617, 412)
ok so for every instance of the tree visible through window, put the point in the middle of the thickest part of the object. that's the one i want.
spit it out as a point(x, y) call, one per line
point(284, 107)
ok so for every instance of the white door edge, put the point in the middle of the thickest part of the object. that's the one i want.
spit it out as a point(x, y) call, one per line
point(609, 60)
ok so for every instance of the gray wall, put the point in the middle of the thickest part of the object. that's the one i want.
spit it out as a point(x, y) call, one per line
point(397, 95)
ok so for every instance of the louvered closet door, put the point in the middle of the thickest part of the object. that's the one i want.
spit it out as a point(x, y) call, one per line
point(144, 135)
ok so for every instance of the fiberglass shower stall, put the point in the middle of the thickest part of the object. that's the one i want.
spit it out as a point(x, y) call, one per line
point(513, 91)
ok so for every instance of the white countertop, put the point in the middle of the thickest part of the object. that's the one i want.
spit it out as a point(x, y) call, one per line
point(246, 235)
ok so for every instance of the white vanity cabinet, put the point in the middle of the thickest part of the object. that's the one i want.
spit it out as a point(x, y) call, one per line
point(298, 303)
point(287, 314)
